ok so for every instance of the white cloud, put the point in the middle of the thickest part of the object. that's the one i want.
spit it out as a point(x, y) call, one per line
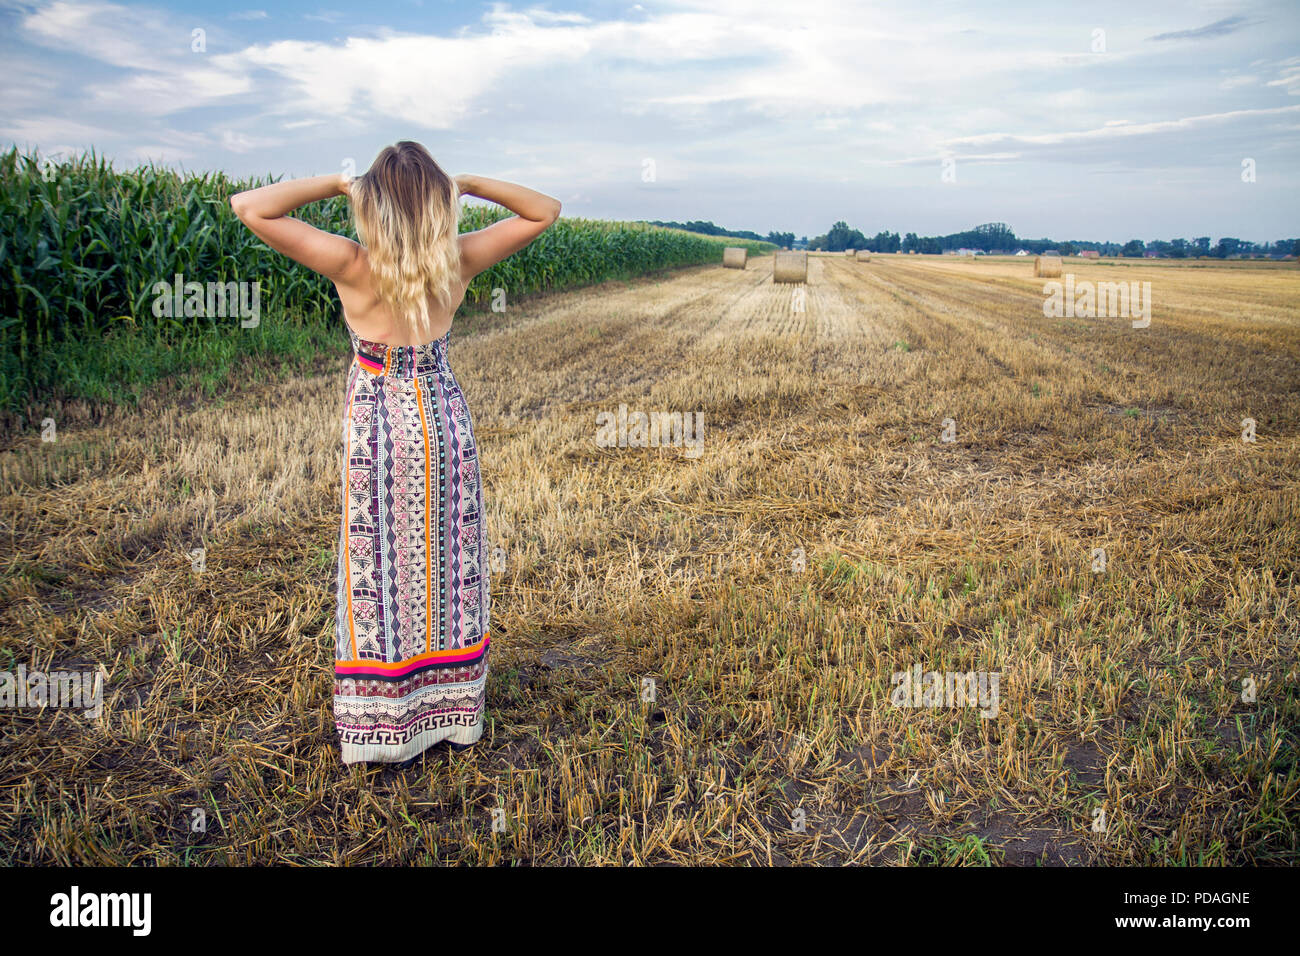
point(1122, 130)
point(238, 142)
point(1288, 76)
point(165, 76)
point(42, 130)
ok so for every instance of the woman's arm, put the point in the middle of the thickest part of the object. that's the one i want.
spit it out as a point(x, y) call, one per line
point(534, 213)
point(527, 203)
point(264, 211)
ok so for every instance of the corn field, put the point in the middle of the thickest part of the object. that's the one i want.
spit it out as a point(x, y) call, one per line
point(83, 246)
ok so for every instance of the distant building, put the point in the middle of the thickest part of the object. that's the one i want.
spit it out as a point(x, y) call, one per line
point(1089, 253)
point(1051, 252)
point(1021, 252)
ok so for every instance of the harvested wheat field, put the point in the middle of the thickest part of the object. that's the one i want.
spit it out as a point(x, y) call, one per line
point(694, 658)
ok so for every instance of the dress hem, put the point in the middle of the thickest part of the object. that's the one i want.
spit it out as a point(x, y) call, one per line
point(396, 753)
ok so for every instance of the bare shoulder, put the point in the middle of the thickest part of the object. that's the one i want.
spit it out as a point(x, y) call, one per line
point(470, 256)
point(357, 273)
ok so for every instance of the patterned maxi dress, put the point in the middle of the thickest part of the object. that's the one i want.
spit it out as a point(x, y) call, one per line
point(411, 628)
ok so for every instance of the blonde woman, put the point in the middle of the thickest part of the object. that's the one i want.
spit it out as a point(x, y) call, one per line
point(413, 609)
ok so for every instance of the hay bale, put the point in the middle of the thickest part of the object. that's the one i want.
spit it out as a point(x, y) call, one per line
point(864, 255)
point(848, 252)
point(1048, 267)
point(790, 267)
point(734, 257)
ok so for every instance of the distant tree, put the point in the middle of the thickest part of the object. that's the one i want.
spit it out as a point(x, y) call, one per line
point(1133, 249)
point(837, 236)
point(911, 242)
point(990, 236)
point(884, 242)
point(841, 237)
point(1066, 249)
point(1178, 249)
point(1226, 247)
point(1201, 246)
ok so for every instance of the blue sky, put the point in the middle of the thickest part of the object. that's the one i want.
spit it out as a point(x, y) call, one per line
point(1106, 121)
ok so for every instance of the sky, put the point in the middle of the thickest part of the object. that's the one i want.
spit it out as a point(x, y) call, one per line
point(1103, 121)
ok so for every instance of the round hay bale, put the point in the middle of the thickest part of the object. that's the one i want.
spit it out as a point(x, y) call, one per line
point(790, 267)
point(1048, 267)
point(864, 255)
point(734, 257)
point(848, 252)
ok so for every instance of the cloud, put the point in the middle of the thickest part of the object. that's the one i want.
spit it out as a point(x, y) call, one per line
point(1218, 28)
point(1118, 130)
point(685, 63)
point(1288, 76)
point(48, 129)
point(165, 75)
point(1234, 82)
point(238, 142)
point(971, 159)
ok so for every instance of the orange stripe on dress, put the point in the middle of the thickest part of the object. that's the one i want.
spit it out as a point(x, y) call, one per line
point(428, 556)
point(397, 668)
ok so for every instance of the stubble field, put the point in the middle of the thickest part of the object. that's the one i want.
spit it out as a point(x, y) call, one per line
point(694, 659)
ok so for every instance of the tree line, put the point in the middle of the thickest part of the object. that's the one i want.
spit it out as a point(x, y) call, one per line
point(998, 238)
point(783, 239)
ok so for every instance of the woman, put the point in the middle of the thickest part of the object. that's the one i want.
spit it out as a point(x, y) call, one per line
point(411, 628)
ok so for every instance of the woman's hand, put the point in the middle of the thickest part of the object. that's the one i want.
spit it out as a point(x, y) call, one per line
point(345, 185)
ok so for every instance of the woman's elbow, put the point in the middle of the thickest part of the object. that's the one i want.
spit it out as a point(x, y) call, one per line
point(556, 214)
point(239, 204)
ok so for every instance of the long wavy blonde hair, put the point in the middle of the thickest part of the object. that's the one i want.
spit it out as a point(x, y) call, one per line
point(407, 214)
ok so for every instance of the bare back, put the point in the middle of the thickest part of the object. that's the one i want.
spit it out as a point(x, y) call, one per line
point(372, 320)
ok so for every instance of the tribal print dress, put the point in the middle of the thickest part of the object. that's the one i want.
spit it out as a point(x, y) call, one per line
point(411, 627)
